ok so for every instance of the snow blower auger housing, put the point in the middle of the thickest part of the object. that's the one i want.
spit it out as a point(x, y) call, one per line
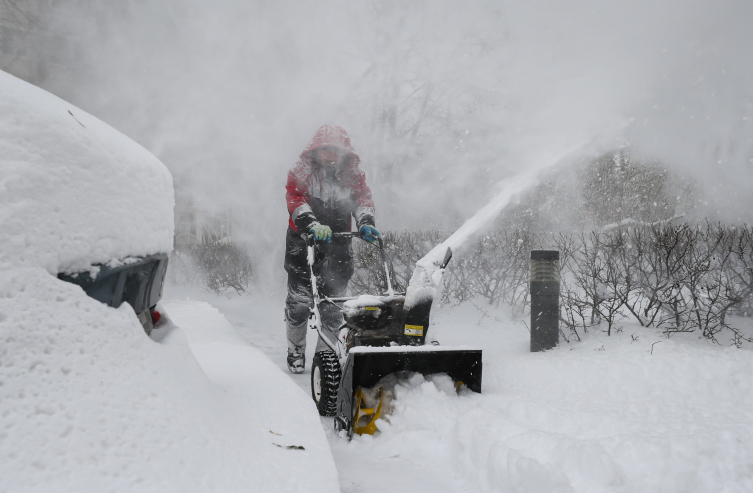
point(380, 335)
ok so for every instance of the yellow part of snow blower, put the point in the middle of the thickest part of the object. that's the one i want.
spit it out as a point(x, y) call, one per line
point(370, 413)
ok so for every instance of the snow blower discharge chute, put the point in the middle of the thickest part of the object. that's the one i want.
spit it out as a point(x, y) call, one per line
point(381, 335)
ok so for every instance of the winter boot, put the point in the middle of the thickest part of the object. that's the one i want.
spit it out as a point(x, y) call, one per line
point(296, 360)
point(296, 347)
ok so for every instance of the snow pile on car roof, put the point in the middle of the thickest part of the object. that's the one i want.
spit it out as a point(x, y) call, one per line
point(73, 190)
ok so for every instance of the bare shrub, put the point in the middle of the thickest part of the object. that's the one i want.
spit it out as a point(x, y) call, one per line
point(678, 278)
point(739, 271)
point(218, 265)
point(402, 249)
point(499, 267)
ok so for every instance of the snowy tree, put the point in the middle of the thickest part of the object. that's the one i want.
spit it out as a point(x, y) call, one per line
point(617, 187)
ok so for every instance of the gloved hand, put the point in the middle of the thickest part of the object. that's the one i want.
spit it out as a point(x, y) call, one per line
point(321, 232)
point(369, 233)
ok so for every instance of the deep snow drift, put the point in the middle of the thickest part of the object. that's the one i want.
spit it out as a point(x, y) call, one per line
point(631, 412)
point(89, 403)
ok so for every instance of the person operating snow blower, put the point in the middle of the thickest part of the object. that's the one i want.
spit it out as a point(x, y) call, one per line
point(325, 189)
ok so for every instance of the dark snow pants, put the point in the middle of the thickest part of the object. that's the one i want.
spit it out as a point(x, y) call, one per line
point(333, 268)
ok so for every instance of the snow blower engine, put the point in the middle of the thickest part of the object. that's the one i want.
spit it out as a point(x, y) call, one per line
point(381, 335)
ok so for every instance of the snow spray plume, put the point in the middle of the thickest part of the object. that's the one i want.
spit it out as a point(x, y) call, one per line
point(427, 276)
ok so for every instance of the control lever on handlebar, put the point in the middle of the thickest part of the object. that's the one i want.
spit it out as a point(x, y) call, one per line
point(357, 234)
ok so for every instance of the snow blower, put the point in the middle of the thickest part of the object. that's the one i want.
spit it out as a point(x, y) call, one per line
point(381, 335)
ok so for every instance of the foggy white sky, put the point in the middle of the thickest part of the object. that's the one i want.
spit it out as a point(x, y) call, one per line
point(227, 93)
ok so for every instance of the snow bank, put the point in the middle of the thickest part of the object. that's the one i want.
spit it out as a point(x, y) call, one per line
point(634, 412)
point(74, 191)
point(88, 403)
point(282, 415)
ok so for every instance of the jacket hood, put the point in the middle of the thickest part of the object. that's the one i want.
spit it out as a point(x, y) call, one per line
point(329, 136)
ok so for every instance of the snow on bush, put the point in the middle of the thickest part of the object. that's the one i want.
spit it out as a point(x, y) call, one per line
point(74, 191)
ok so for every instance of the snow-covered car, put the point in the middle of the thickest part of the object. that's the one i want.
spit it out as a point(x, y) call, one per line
point(87, 402)
point(82, 201)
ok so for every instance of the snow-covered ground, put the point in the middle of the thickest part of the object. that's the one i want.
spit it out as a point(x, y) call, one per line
point(634, 412)
point(89, 403)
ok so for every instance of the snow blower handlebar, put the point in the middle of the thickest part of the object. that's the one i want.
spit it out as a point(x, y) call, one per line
point(315, 321)
point(357, 234)
point(383, 257)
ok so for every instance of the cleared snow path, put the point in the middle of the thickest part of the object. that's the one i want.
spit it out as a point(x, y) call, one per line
point(263, 398)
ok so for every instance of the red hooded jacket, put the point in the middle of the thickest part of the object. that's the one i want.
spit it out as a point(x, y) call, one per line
point(329, 196)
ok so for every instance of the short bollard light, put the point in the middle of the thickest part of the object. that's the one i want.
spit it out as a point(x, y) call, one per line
point(545, 299)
